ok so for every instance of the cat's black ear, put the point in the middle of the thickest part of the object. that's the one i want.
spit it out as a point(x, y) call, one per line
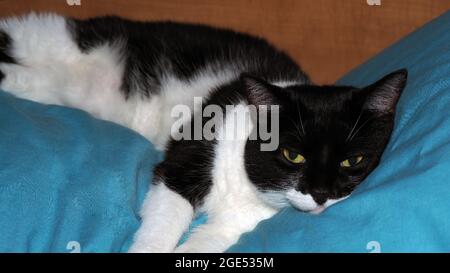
point(382, 96)
point(258, 91)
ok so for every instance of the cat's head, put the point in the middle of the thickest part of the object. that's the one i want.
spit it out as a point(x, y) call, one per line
point(330, 139)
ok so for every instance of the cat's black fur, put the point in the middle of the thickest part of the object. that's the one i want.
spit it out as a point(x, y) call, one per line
point(151, 48)
point(5, 45)
point(185, 49)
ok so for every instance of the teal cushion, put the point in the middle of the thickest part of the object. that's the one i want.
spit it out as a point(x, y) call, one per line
point(68, 182)
point(404, 205)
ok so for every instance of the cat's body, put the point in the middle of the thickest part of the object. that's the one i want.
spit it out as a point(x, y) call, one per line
point(106, 60)
point(135, 73)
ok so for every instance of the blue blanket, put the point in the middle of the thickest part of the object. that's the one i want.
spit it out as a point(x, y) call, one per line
point(68, 182)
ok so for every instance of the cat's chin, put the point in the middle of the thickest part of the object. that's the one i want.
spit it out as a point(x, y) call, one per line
point(327, 204)
point(301, 201)
point(317, 210)
point(306, 204)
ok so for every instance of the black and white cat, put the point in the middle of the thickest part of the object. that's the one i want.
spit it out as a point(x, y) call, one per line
point(135, 73)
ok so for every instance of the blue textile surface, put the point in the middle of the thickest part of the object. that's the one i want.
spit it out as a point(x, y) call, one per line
point(68, 182)
point(404, 205)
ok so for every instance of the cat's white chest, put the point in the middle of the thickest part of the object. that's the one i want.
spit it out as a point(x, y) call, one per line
point(232, 203)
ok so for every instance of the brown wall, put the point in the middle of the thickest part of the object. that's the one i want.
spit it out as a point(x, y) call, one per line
point(327, 37)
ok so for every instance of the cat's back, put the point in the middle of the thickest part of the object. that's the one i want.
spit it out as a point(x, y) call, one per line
point(187, 48)
point(150, 50)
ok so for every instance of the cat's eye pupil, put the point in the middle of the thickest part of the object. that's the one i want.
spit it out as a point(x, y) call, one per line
point(292, 155)
point(353, 160)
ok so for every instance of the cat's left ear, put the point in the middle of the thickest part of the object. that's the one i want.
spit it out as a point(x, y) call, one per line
point(382, 96)
point(258, 91)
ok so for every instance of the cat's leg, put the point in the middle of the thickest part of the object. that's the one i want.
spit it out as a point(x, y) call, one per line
point(226, 223)
point(38, 57)
point(165, 216)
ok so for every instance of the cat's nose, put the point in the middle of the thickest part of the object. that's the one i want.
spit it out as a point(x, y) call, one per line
point(320, 195)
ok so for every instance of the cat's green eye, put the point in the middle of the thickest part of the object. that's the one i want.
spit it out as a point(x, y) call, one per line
point(352, 161)
point(293, 157)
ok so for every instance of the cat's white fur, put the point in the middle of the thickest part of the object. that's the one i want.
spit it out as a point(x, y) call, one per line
point(233, 205)
point(166, 215)
point(53, 70)
point(153, 116)
point(50, 61)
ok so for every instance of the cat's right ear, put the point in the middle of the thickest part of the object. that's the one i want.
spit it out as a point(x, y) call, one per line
point(382, 96)
point(257, 91)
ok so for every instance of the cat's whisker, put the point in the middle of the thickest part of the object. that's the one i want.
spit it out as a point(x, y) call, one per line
point(297, 136)
point(300, 135)
point(359, 129)
point(354, 126)
point(300, 116)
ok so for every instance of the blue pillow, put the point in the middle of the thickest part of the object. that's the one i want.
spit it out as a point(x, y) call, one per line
point(404, 205)
point(68, 182)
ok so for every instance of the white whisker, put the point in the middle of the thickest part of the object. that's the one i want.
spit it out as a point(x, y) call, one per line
point(354, 126)
point(359, 129)
point(300, 116)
